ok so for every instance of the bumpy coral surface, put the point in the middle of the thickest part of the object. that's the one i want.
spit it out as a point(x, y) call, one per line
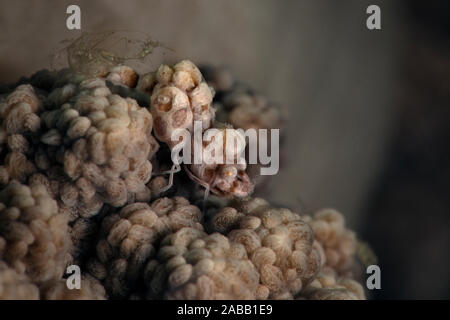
point(90, 146)
point(101, 143)
point(193, 265)
point(34, 236)
point(338, 242)
point(339, 275)
point(329, 286)
point(129, 238)
point(278, 242)
point(18, 121)
point(16, 286)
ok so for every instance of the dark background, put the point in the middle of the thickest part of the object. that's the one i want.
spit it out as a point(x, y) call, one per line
point(409, 211)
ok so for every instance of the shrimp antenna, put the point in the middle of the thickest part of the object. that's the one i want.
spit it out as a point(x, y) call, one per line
point(205, 198)
point(175, 168)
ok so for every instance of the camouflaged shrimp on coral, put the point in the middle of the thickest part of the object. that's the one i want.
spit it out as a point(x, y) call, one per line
point(278, 242)
point(179, 96)
point(224, 178)
point(130, 237)
point(179, 99)
point(193, 265)
point(240, 106)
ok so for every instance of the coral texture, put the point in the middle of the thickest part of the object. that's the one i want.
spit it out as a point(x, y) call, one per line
point(101, 143)
point(34, 236)
point(328, 286)
point(18, 120)
point(279, 243)
point(129, 237)
point(193, 265)
point(338, 242)
point(88, 146)
point(16, 286)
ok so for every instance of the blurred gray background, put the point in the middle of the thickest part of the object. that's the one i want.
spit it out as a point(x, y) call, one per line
point(339, 83)
point(316, 59)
